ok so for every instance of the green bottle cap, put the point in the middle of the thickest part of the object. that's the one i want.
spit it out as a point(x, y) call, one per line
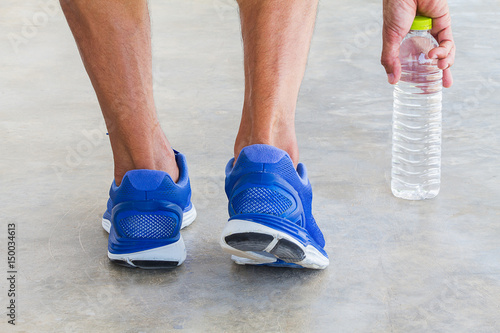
point(421, 23)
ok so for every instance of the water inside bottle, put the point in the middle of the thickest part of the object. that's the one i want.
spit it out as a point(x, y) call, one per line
point(416, 151)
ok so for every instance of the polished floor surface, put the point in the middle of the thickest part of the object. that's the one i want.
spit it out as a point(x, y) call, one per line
point(396, 265)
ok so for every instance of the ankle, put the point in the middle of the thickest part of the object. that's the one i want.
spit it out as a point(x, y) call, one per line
point(152, 154)
point(290, 146)
point(273, 125)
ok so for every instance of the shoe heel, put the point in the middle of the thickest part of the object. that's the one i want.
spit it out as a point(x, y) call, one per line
point(146, 234)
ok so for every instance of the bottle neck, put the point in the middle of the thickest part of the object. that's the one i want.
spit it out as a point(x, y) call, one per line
point(420, 33)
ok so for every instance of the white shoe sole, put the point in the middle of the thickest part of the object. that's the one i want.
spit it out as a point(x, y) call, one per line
point(167, 256)
point(252, 243)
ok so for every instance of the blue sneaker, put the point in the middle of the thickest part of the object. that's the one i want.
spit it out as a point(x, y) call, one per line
point(270, 220)
point(145, 215)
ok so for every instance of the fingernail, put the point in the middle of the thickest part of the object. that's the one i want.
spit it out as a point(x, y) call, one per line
point(435, 56)
point(390, 78)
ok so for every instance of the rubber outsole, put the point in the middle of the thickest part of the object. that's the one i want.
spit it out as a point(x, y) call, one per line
point(146, 264)
point(252, 243)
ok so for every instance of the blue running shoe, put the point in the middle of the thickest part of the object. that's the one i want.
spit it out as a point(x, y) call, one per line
point(145, 215)
point(270, 220)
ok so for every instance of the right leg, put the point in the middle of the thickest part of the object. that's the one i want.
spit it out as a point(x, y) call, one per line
point(269, 194)
point(114, 40)
point(147, 208)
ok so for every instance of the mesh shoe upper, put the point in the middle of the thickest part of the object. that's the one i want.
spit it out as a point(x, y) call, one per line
point(260, 200)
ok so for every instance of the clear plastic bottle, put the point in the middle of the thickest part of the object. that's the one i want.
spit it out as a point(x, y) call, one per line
point(416, 129)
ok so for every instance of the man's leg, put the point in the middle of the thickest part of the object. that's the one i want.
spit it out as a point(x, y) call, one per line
point(147, 208)
point(114, 40)
point(269, 194)
point(276, 38)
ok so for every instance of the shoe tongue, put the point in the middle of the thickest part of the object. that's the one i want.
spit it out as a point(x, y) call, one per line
point(263, 153)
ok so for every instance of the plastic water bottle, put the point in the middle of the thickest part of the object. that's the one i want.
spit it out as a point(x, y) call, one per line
point(416, 129)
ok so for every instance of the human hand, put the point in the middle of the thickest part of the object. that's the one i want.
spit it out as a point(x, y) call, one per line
point(398, 17)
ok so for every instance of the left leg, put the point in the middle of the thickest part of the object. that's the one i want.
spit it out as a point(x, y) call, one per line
point(150, 196)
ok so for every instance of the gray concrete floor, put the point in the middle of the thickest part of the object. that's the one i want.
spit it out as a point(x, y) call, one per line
point(396, 266)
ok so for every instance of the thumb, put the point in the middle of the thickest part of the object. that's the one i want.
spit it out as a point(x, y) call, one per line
point(390, 55)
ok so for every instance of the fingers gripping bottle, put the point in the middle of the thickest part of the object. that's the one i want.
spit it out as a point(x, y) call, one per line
point(416, 122)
